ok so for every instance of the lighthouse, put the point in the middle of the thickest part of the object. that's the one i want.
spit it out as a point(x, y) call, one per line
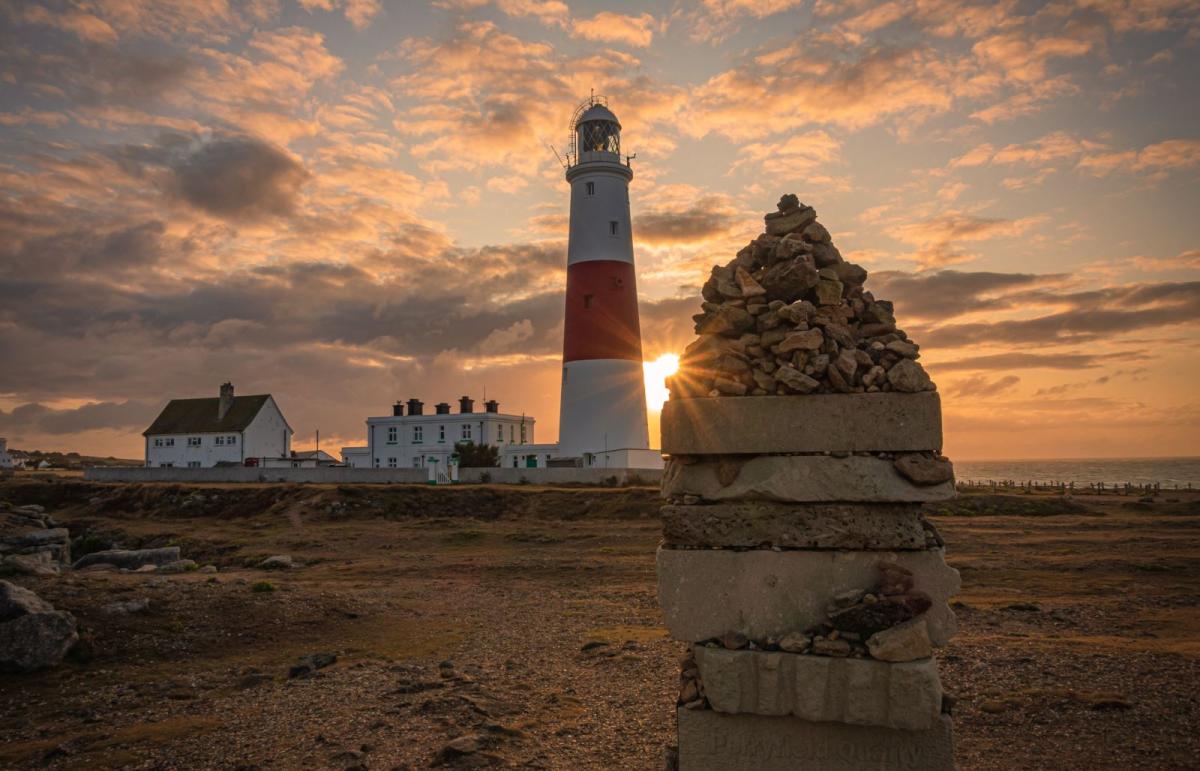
point(603, 404)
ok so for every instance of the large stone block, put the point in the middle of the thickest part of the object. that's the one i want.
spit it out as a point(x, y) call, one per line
point(761, 593)
point(821, 688)
point(886, 526)
point(799, 478)
point(711, 741)
point(815, 423)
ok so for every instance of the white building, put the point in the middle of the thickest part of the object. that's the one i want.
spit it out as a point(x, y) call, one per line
point(6, 460)
point(418, 440)
point(228, 429)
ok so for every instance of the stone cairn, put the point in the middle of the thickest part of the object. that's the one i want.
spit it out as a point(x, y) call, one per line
point(803, 437)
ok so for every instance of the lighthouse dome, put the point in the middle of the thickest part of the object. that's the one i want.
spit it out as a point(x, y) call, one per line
point(597, 112)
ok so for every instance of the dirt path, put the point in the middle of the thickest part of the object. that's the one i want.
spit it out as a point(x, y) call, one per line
point(1079, 644)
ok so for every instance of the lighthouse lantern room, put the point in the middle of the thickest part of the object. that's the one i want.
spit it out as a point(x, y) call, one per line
point(603, 405)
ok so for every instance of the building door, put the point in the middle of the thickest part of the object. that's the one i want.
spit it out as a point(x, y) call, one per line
point(530, 461)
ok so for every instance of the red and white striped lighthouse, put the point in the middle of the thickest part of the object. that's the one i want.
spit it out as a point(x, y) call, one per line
point(603, 388)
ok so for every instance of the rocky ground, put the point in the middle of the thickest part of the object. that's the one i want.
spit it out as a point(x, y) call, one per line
point(519, 627)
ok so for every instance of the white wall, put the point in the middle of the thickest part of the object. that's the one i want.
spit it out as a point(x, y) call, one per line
point(268, 435)
point(208, 454)
point(589, 237)
point(521, 452)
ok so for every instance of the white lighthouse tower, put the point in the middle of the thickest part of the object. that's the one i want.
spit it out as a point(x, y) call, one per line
point(603, 410)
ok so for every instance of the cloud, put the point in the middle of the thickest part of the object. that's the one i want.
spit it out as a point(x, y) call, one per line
point(937, 238)
point(981, 387)
point(239, 178)
point(1016, 360)
point(700, 220)
point(945, 294)
point(1171, 155)
point(88, 417)
point(1100, 314)
point(804, 84)
point(608, 27)
point(359, 13)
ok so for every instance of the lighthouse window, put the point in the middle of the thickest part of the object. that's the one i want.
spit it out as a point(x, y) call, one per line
point(612, 227)
point(591, 188)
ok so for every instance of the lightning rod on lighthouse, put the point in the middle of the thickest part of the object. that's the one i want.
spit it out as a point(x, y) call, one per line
point(603, 404)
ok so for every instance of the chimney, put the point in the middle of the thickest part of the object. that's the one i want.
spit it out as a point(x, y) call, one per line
point(398, 410)
point(226, 400)
point(491, 405)
point(466, 405)
point(442, 408)
point(415, 406)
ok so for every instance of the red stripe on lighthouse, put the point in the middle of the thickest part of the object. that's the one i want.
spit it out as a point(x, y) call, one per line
point(602, 312)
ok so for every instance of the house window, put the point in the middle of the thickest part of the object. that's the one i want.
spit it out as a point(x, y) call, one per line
point(158, 443)
point(392, 463)
point(377, 463)
point(418, 434)
point(391, 435)
point(193, 464)
point(510, 432)
point(193, 441)
point(231, 439)
point(219, 440)
point(166, 465)
point(514, 461)
point(612, 227)
point(591, 188)
point(441, 433)
point(499, 434)
point(523, 425)
point(417, 462)
point(466, 431)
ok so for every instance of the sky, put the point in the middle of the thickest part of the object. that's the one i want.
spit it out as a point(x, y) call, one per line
point(348, 202)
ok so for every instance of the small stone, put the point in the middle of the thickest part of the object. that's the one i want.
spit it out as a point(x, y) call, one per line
point(781, 223)
point(730, 387)
point(807, 340)
point(827, 647)
point(129, 606)
point(815, 233)
point(846, 599)
point(795, 642)
point(468, 744)
point(829, 292)
point(747, 284)
point(904, 348)
point(729, 321)
point(908, 641)
point(907, 376)
point(924, 469)
point(277, 562)
point(796, 380)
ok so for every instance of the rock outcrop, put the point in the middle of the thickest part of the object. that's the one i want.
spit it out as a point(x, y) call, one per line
point(33, 635)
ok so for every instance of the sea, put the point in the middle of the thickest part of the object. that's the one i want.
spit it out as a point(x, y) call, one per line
point(1167, 472)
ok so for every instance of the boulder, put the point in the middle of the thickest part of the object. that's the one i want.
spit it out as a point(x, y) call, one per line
point(33, 635)
point(906, 642)
point(278, 562)
point(129, 559)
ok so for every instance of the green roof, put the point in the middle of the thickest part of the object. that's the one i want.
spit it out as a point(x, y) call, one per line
point(199, 416)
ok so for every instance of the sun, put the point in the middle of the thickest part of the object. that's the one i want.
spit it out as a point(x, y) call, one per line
point(656, 373)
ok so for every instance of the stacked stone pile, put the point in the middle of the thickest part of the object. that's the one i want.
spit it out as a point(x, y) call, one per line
point(795, 560)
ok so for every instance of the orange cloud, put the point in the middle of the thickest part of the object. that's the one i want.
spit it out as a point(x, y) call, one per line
point(608, 27)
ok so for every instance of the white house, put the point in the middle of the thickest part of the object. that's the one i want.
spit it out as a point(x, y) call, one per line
point(6, 460)
point(201, 433)
point(418, 440)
